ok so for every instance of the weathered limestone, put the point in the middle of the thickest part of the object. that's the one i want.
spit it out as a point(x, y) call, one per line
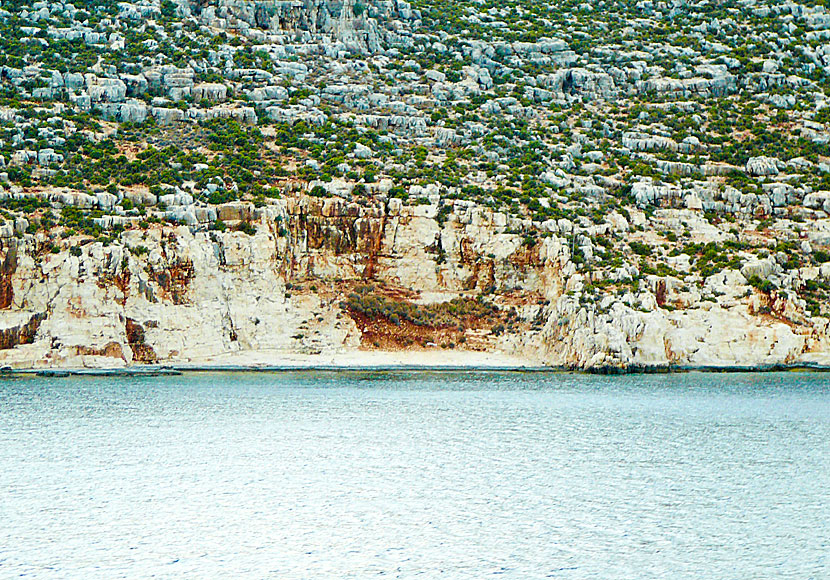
point(192, 295)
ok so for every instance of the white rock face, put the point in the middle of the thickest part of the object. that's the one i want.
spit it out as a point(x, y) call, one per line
point(176, 295)
point(209, 92)
point(329, 21)
point(105, 90)
point(762, 166)
point(362, 151)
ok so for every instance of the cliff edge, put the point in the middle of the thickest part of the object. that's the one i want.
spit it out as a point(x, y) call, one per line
point(327, 281)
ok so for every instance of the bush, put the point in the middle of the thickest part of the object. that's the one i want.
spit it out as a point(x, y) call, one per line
point(446, 314)
point(443, 213)
point(246, 227)
point(640, 248)
point(764, 286)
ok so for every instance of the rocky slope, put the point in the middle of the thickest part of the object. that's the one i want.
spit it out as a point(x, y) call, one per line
point(341, 25)
point(587, 184)
point(325, 277)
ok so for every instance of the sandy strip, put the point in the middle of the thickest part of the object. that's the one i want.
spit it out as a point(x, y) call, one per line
point(280, 360)
point(363, 359)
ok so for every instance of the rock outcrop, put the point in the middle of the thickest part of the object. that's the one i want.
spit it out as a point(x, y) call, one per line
point(178, 294)
point(365, 26)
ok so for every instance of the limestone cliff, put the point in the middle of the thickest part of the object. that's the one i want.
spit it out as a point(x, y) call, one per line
point(324, 277)
point(360, 25)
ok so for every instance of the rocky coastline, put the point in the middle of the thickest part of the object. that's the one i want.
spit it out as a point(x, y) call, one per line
point(329, 278)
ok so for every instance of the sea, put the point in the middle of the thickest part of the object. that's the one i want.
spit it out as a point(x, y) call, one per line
point(399, 474)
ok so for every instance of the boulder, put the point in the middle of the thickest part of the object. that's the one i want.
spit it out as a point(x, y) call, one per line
point(762, 166)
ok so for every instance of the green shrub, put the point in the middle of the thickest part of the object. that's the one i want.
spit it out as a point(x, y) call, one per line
point(640, 248)
point(764, 286)
point(246, 227)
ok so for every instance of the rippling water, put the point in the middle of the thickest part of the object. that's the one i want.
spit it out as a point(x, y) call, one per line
point(404, 475)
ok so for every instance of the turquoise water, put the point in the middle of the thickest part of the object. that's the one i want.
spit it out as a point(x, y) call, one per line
point(416, 475)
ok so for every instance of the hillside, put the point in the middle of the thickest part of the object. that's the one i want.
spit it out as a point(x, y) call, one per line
point(584, 184)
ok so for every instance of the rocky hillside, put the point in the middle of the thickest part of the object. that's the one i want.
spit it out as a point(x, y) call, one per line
point(592, 185)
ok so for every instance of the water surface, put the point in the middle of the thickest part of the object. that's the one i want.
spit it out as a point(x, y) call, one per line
point(416, 475)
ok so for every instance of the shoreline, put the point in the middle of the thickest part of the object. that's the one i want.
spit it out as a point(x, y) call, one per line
point(188, 369)
point(378, 361)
